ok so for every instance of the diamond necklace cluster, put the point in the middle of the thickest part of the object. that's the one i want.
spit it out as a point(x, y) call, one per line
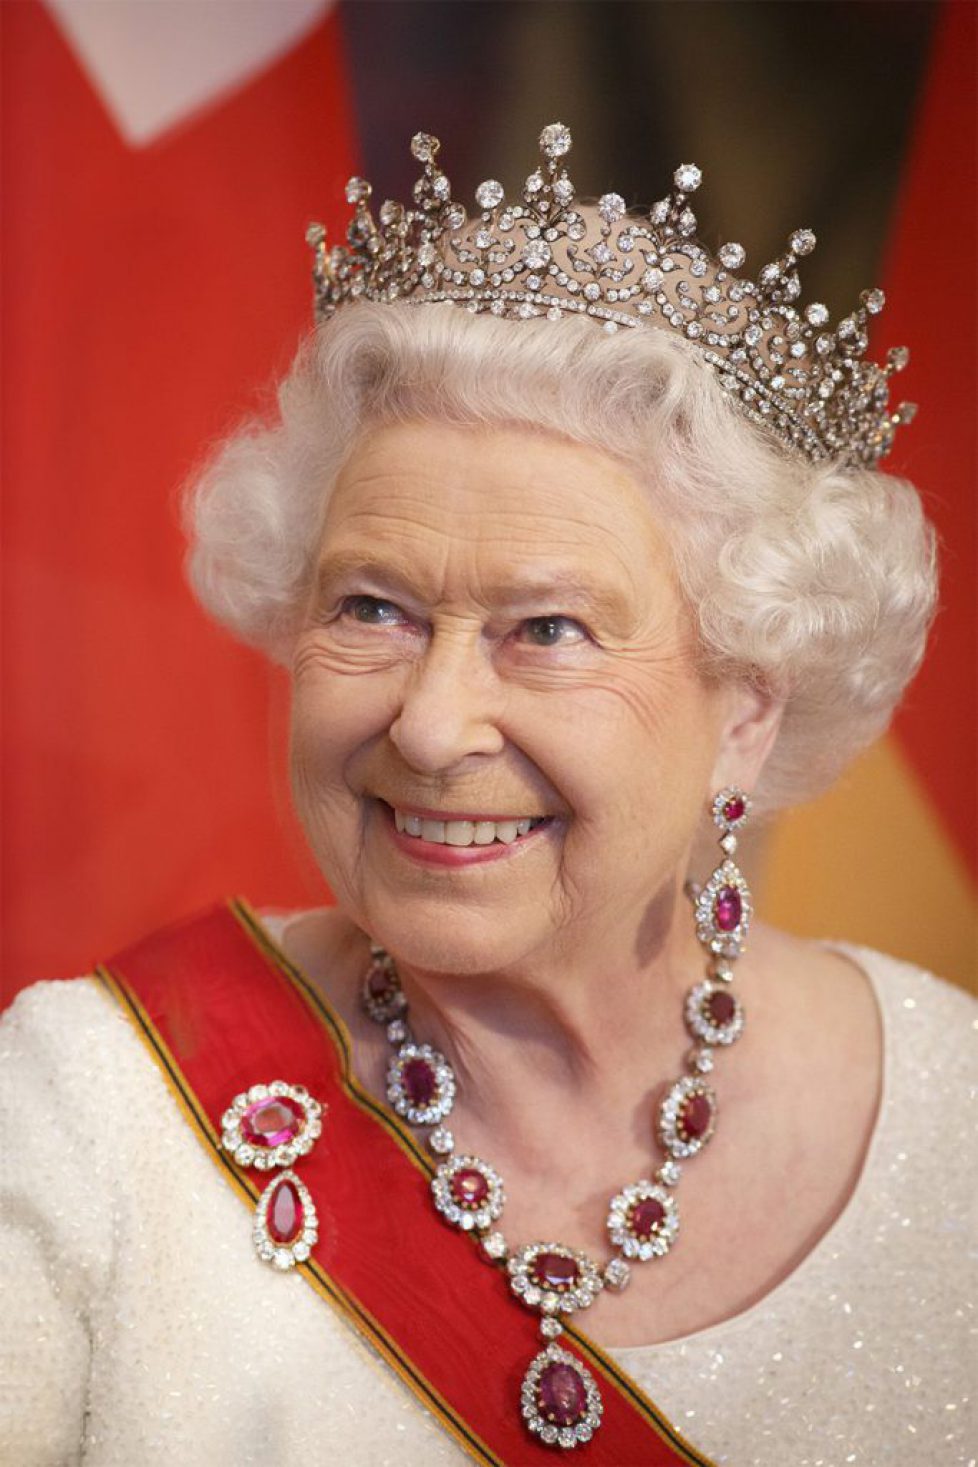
point(560, 1400)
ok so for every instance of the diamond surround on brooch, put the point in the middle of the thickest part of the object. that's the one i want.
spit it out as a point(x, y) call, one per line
point(271, 1125)
point(544, 255)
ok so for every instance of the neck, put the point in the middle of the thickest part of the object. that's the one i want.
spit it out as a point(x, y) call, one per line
point(569, 1045)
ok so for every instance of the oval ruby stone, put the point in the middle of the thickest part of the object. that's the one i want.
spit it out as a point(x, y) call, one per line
point(645, 1218)
point(379, 985)
point(695, 1116)
point(285, 1213)
point(272, 1122)
point(469, 1187)
point(554, 1271)
point(728, 908)
point(734, 810)
point(561, 1395)
point(419, 1081)
point(720, 1007)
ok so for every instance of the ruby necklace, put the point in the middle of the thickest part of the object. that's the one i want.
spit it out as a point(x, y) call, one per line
point(560, 1401)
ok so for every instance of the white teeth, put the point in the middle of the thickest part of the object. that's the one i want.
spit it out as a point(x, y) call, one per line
point(465, 832)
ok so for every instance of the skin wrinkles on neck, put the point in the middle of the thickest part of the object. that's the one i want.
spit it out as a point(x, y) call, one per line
point(583, 1049)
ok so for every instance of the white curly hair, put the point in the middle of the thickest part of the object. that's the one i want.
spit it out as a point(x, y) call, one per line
point(813, 582)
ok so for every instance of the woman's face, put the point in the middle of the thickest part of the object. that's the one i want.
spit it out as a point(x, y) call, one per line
point(495, 638)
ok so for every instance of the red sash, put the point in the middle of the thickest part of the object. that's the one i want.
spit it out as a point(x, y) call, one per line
point(221, 1009)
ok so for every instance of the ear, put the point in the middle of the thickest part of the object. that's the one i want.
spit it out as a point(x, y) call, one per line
point(747, 736)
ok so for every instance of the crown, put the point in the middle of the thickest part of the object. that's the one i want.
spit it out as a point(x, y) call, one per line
point(547, 255)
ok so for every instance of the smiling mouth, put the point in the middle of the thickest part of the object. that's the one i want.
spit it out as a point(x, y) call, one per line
point(461, 833)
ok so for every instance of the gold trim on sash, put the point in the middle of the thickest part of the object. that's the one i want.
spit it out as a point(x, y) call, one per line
point(343, 1303)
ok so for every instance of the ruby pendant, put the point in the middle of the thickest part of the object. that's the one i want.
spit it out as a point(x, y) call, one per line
point(560, 1400)
point(643, 1221)
point(420, 1084)
point(286, 1227)
point(468, 1192)
point(553, 1278)
point(714, 1014)
point(723, 911)
point(687, 1117)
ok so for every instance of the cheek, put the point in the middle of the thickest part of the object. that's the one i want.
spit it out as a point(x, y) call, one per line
point(660, 710)
point(333, 717)
point(634, 749)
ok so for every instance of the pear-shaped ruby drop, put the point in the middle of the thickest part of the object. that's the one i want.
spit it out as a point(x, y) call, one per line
point(695, 1116)
point(469, 1187)
point(645, 1217)
point(561, 1395)
point(720, 1007)
point(419, 1081)
point(727, 909)
point(285, 1212)
point(554, 1271)
point(272, 1122)
point(734, 809)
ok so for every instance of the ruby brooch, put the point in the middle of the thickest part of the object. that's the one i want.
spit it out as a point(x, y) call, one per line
point(271, 1126)
point(560, 1401)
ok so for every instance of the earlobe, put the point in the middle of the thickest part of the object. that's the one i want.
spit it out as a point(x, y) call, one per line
point(747, 737)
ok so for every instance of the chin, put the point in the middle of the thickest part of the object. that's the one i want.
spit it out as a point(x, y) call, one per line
point(441, 937)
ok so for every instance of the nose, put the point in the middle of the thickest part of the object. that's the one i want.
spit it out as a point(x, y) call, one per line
point(449, 707)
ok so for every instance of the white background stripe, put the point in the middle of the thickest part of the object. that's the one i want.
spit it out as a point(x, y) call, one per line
point(156, 62)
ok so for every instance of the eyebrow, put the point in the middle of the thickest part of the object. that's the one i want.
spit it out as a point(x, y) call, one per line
point(562, 588)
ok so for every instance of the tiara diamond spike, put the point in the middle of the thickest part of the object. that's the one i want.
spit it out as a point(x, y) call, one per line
point(545, 255)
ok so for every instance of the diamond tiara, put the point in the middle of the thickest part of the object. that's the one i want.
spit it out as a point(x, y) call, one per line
point(547, 255)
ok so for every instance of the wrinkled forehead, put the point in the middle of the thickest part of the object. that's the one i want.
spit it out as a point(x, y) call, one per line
point(498, 497)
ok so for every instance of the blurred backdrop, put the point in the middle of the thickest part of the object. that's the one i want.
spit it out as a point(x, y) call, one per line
point(162, 158)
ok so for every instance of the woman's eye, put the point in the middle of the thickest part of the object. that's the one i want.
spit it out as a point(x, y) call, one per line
point(372, 611)
point(552, 631)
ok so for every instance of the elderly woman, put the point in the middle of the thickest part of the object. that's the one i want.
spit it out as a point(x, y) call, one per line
point(575, 545)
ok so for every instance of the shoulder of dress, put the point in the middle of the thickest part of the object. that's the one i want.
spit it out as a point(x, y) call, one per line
point(65, 1041)
point(901, 983)
point(57, 1005)
point(930, 1026)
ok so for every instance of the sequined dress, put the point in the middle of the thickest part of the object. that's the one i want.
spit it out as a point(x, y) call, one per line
point(137, 1327)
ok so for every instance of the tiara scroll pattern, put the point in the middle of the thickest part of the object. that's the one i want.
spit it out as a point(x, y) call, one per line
point(546, 255)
